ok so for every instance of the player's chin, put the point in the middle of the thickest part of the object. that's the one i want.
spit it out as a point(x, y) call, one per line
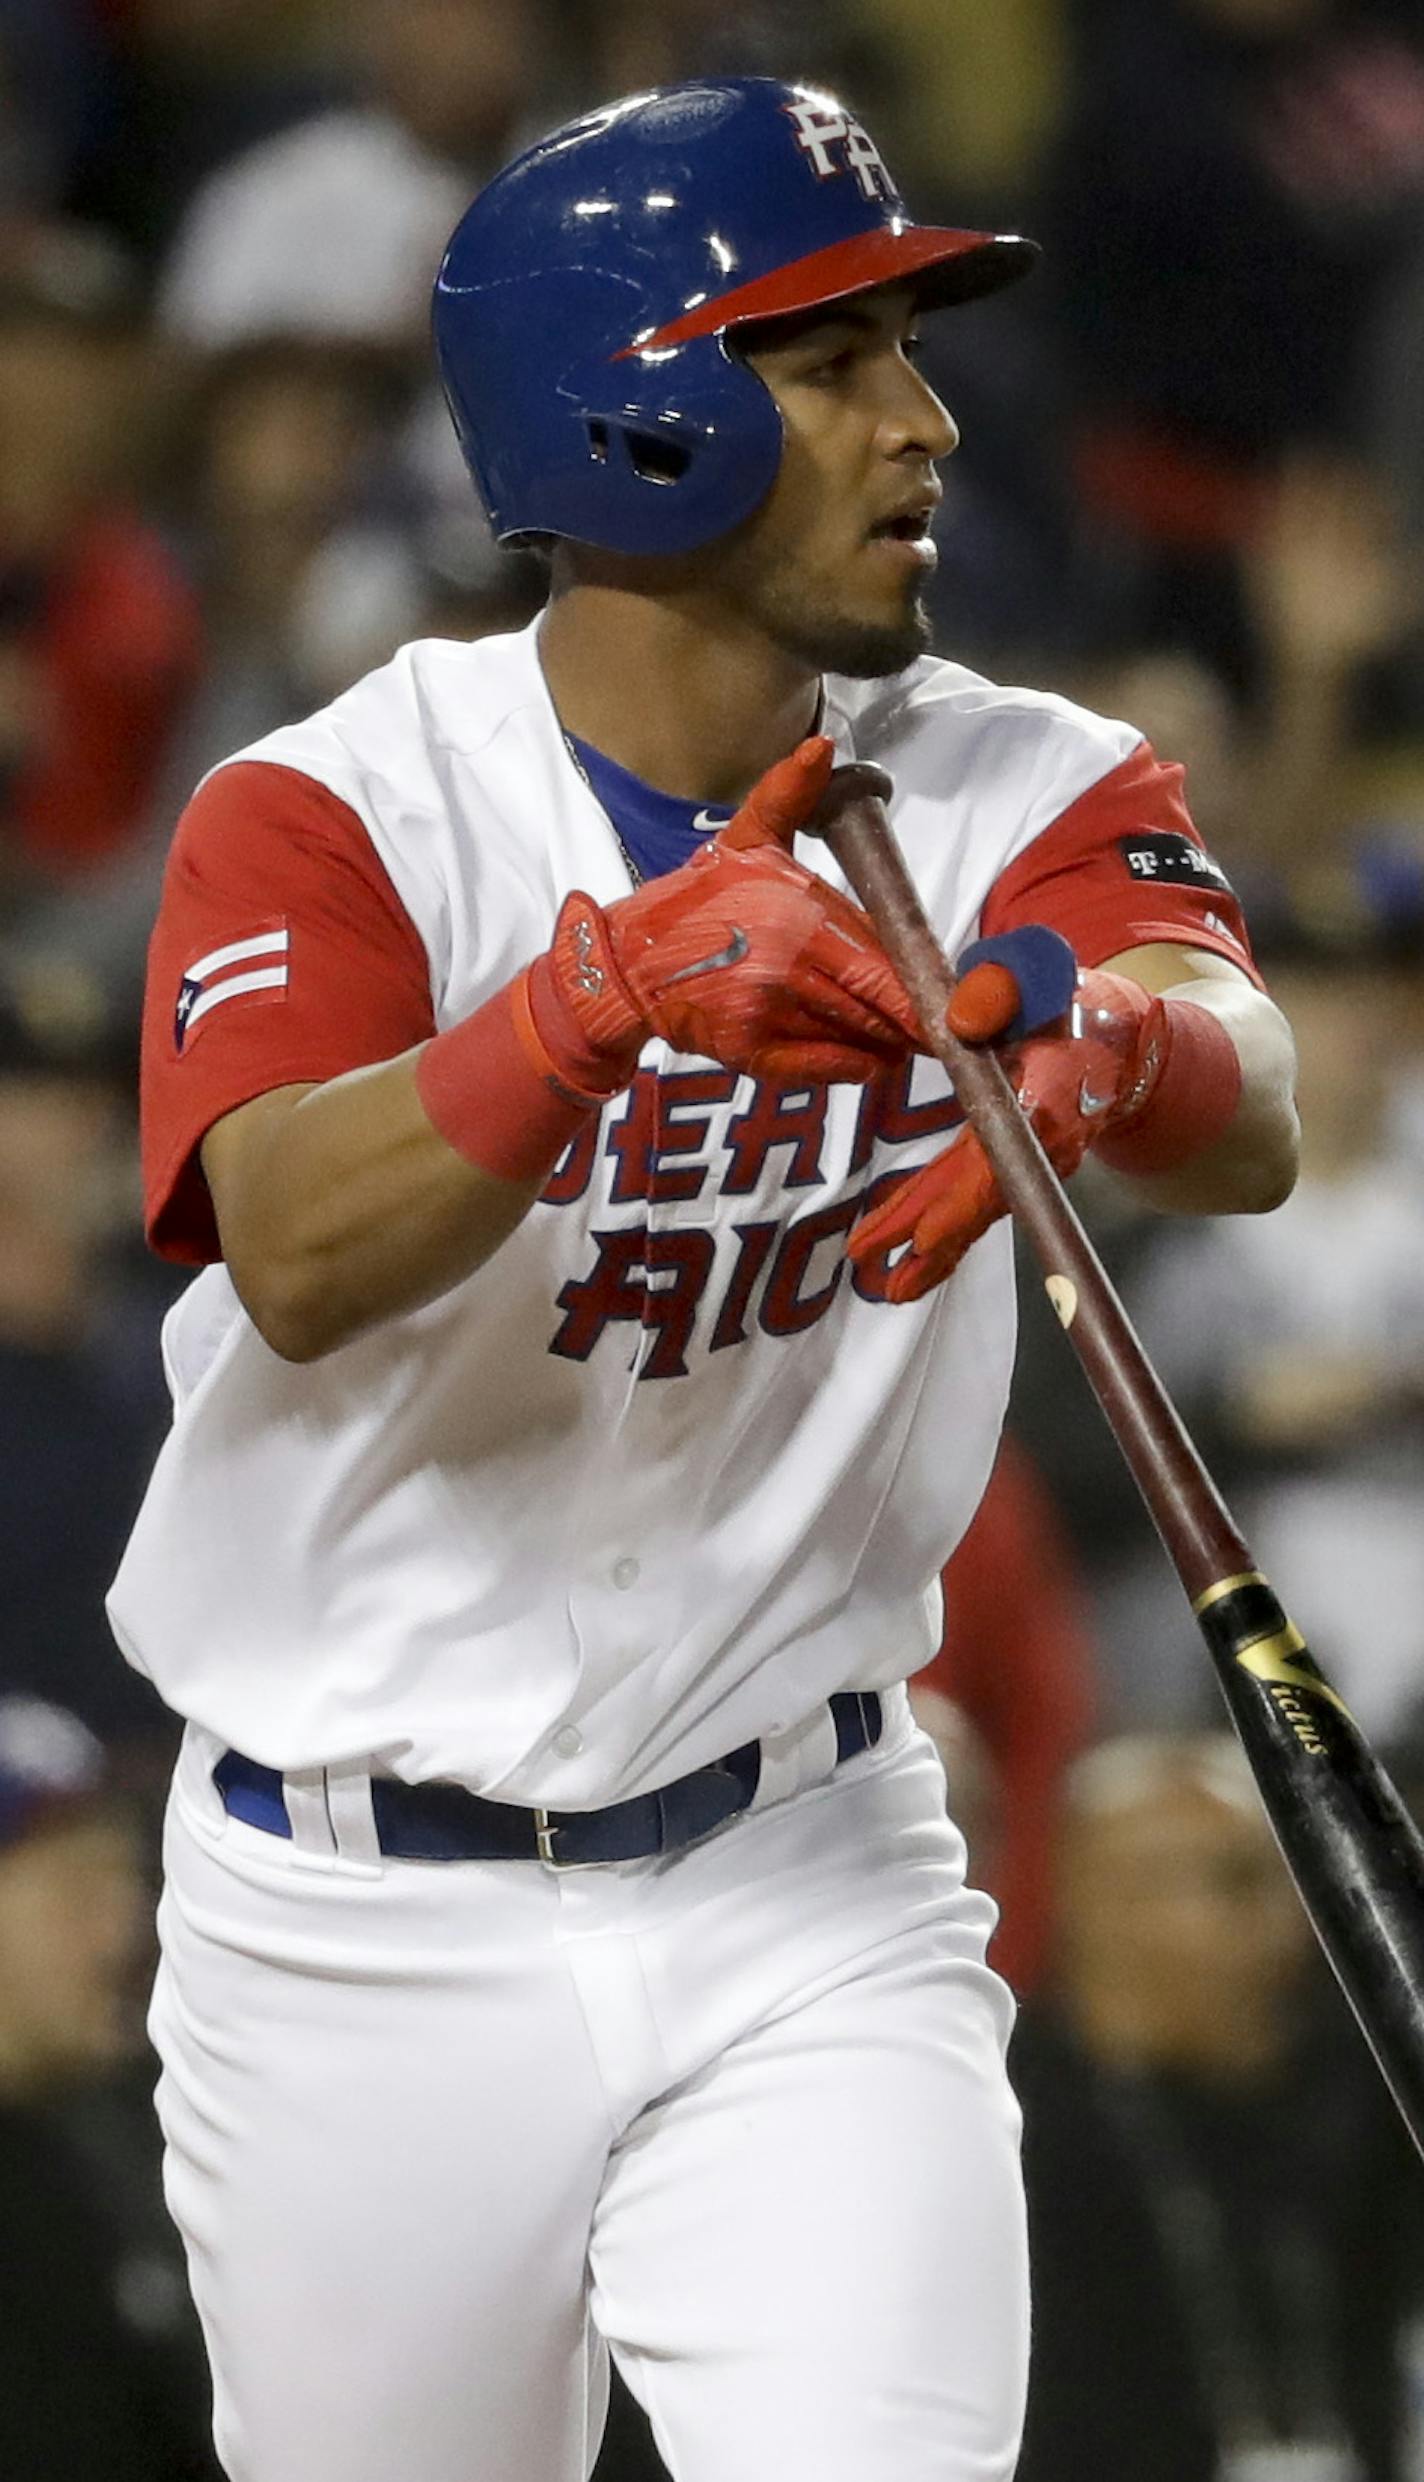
point(866, 639)
point(868, 648)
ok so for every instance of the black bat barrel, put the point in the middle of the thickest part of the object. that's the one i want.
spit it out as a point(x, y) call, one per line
point(1352, 1848)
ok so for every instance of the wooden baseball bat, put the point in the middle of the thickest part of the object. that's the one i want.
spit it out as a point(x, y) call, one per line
point(1350, 1845)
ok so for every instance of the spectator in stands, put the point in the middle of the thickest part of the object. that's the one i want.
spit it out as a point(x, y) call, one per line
point(1287, 800)
point(98, 628)
point(316, 548)
point(1221, 2211)
point(330, 233)
point(1289, 786)
point(286, 433)
point(1300, 1336)
point(79, 1430)
point(52, 65)
point(1217, 287)
point(185, 88)
point(334, 228)
point(90, 2391)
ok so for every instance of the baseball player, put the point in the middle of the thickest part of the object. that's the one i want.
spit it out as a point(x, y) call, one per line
point(564, 1946)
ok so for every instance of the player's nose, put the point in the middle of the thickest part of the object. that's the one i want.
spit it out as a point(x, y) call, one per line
point(919, 421)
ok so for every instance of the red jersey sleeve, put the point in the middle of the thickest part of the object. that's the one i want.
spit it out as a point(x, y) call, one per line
point(281, 956)
point(1123, 867)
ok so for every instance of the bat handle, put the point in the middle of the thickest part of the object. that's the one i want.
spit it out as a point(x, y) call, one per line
point(1186, 1507)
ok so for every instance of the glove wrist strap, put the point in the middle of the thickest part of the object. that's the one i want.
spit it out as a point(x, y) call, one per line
point(1191, 1100)
point(492, 1089)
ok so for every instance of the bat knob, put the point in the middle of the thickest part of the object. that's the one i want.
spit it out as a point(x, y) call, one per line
point(856, 782)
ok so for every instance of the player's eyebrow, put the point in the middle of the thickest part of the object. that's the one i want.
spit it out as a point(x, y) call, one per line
point(812, 327)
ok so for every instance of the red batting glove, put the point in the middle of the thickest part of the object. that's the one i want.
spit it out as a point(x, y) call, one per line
point(1147, 1083)
point(740, 956)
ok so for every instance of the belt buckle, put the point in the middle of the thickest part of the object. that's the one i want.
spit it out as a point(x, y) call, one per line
point(544, 1834)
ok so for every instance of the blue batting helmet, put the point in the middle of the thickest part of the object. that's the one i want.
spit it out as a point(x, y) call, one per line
point(583, 308)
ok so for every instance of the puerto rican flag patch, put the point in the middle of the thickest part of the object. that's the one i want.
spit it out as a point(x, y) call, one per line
point(256, 964)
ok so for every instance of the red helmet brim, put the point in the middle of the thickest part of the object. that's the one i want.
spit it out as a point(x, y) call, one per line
point(944, 265)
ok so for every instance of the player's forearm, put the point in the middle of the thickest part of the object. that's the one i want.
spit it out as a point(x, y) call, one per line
point(1252, 1166)
point(350, 1208)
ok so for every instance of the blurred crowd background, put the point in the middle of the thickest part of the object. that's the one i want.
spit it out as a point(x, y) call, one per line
point(1191, 493)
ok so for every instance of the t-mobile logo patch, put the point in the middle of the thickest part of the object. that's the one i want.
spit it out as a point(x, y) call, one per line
point(821, 128)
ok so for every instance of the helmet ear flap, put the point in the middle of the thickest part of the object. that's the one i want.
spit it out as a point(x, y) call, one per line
point(677, 455)
point(653, 456)
point(599, 447)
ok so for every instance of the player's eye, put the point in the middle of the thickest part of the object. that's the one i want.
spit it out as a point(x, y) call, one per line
point(832, 366)
point(913, 348)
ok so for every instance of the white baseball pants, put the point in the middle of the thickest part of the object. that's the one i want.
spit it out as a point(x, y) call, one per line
point(439, 2134)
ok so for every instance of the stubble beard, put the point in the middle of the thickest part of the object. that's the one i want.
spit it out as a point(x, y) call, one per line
point(827, 641)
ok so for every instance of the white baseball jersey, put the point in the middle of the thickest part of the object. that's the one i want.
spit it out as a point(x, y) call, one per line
point(665, 1472)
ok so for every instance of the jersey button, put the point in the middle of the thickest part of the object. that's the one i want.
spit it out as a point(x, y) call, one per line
point(626, 1572)
point(569, 1742)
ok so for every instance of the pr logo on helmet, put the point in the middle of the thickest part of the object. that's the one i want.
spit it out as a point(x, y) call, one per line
point(821, 128)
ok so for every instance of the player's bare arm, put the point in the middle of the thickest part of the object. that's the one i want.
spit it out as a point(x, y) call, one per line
point(341, 1204)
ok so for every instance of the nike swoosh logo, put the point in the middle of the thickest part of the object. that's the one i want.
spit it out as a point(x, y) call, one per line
point(707, 822)
point(736, 948)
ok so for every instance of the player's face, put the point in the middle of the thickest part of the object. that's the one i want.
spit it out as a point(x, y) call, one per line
point(835, 562)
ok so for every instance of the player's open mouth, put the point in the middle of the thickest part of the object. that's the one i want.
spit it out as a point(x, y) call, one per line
point(910, 537)
point(910, 529)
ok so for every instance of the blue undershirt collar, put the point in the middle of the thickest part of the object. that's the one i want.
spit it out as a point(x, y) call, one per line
point(658, 831)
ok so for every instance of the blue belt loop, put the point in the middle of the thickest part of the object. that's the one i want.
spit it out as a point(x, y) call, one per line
point(252, 1793)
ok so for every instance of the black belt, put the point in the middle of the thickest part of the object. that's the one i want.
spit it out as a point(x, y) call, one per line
point(445, 1822)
